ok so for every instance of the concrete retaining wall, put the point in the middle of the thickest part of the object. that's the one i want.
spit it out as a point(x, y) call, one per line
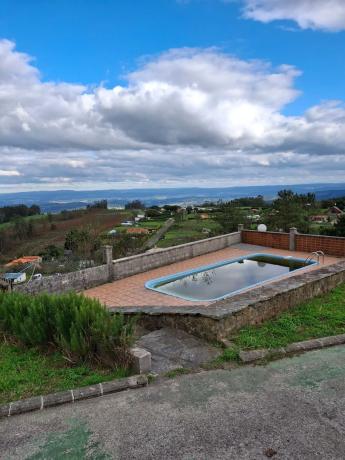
point(143, 262)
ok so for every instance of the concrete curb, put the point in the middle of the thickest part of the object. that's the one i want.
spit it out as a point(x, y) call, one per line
point(70, 396)
point(314, 344)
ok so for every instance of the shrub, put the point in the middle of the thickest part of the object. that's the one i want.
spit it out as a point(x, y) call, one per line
point(78, 326)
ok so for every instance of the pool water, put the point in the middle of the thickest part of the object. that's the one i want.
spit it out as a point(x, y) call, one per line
point(225, 278)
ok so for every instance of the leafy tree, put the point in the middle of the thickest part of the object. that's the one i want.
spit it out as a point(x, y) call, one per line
point(340, 226)
point(82, 242)
point(102, 204)
point(289, 210)
point(135, 204)
point(230, 216)
point(153, 212)
point(52, 252)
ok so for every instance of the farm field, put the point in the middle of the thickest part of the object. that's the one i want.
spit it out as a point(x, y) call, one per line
point(188, 230)
point(52, 230)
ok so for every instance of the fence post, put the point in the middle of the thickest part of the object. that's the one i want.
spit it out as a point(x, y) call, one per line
point(108, 259)
point(292, 238)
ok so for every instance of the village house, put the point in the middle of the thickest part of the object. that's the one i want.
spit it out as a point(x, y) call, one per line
point(319, 219)
point(32, 260)
point(334, 213)
point(137, 231)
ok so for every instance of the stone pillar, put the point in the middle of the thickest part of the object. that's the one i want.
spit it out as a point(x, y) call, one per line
point(292, 238)
point(240, 227)
point(107, 254)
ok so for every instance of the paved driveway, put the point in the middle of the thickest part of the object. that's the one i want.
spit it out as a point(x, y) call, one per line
point(290, 409)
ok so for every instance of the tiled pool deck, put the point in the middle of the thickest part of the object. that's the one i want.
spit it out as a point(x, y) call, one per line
point(131, 291)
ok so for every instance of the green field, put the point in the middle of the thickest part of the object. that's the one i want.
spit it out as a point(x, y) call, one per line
point(188, 230)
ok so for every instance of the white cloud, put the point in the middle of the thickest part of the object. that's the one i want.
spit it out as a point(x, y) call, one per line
point(188, 116)
point(328, 15)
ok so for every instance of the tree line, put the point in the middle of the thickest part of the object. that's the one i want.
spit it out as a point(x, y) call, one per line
point(10, 213)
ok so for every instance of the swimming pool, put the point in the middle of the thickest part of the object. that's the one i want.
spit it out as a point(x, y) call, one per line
point(228, 277)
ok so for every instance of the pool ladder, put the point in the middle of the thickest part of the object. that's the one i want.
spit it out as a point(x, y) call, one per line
point(318, 254)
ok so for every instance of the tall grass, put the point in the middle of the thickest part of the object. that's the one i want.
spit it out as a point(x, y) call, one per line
point(80, 327)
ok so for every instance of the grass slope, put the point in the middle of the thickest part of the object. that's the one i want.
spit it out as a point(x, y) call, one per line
point(26, 373)
point(320, 317)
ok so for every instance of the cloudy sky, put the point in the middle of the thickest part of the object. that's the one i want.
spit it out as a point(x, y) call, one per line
point(103, 94)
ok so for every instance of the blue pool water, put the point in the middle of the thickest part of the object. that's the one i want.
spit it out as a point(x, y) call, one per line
point(226, 278)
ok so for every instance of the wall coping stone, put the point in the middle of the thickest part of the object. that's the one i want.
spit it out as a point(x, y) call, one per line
point(267, 232)
point(70, 396)
point(174, 248)
point(248, 356)
point(311, 235)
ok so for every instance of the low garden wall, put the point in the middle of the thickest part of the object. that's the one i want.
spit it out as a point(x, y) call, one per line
point(74, 281)
point(143, 262)
point(221, 319)
point(276, 240)
point(331, 245)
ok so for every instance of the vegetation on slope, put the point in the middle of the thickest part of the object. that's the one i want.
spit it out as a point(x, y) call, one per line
point(320, 317)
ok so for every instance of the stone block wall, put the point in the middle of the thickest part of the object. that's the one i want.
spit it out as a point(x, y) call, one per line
point(74, 281)
point(143, 262)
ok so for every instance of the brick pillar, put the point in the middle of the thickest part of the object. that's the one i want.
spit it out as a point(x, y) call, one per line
point(107, 254)
point(292, 238)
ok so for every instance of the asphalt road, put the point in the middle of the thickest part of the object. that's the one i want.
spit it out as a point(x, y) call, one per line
point(290, 409)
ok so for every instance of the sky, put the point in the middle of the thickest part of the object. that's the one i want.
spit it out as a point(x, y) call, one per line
point(98, 94)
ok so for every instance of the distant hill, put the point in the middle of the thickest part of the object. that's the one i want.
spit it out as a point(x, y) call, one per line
point(55, 201)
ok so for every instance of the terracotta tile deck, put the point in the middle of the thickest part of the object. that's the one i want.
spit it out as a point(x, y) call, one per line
point(131, 291)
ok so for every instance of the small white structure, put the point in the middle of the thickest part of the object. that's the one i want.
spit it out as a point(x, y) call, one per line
point(127, 223)
point(112, 232)
point(15, 278)
point(262, 228)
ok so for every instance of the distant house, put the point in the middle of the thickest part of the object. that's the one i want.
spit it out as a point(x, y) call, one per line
point(334, 213)
point(34, 260)
point(254, 217)
point(204, 216)
point(137, 231)
point(14, 278)
point(319, 219)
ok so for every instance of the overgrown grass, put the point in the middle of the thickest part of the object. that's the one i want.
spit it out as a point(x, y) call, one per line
point(25, 373)
point(320, 317)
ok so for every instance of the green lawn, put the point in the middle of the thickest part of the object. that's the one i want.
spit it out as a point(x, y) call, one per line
point(320, 317)
point(25, 373)
point(188, 230)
